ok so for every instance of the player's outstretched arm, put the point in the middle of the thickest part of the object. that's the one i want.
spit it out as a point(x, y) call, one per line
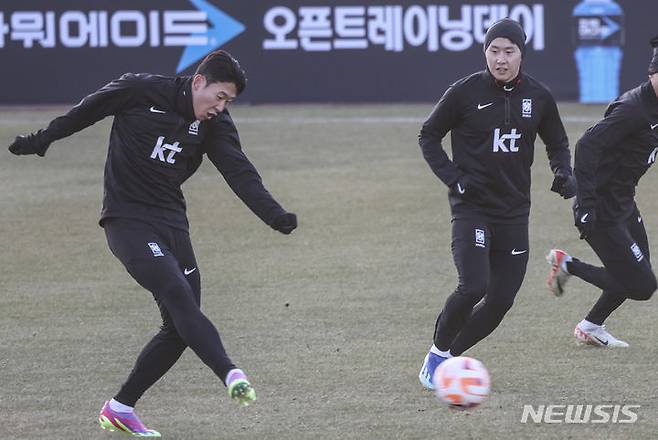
point(224, 150)
point(108, 100)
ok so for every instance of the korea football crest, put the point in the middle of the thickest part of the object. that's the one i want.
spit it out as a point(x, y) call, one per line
point(637, 252)
point(194, 128)
point(155, 249)
point(526, 108)
point(480, 238)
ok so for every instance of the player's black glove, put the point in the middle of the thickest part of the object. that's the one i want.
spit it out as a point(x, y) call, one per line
point(564, 184)
point(585, 219)
point(31, 144)
point(464, 186)
point(285, 223)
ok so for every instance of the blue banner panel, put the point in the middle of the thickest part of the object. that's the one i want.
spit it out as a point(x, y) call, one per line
point(319, 51)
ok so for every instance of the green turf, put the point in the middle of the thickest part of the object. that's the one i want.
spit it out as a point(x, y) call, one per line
point(331, 323)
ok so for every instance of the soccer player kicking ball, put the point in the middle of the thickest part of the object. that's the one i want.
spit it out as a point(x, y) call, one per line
point(162, 129)
point(611, 157)
point(494, 117)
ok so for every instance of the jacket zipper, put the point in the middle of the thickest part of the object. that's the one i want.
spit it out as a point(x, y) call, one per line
point(507, 109)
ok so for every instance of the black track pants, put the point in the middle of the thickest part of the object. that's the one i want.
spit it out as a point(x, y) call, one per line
point(626, 272)
point(491, 261)
point(161, 260)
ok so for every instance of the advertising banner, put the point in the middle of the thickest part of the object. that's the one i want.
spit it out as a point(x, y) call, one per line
point(319, 51)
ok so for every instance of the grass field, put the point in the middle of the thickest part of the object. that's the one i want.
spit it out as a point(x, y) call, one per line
point(331, 322)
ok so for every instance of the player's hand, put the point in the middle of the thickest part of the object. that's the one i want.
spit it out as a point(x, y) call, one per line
point(285, 223)
point(31, 144)
point(464, 187)
point(585, 219)
point(564, 184)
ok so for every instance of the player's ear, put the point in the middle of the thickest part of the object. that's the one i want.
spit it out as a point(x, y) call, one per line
point(198, 81)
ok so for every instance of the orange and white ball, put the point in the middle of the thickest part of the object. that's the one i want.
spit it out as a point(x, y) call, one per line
point(461, 382)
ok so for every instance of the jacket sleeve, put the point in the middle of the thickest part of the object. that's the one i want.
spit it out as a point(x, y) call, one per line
point(225, 152)
point(442, 119)
point(619, 122)
point(552, 133)
point(110, 99)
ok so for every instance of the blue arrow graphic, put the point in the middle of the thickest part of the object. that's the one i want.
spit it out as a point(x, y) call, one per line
point(610, 28)
point(222, 29)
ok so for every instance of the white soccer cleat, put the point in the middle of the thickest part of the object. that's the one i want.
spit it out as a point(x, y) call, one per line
point(599, 337)
point(558, 276)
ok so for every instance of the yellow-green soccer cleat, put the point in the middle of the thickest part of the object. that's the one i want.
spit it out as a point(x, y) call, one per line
point(239, 388)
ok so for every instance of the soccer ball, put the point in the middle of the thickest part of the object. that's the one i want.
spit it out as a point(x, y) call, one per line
point(461, 382)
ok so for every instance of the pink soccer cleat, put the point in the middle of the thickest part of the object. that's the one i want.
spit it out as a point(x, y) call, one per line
point(127, 423)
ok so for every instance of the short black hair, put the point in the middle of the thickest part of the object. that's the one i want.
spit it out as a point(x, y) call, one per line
point(220, 66)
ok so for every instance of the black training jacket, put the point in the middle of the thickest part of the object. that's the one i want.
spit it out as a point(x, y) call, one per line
point(613, 154)
point(492, 130)
point(156, 144)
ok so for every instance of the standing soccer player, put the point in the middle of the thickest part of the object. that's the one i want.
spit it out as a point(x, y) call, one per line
point(611, 157)
point(162, 129)
point(494, 117)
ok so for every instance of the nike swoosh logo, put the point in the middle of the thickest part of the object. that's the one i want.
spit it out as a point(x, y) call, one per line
point(460, 189)
point(480, 106)
point(653, 126)
point(155, 110)
point(187, 271)
point(583, 219)
point(600, 340)
point(515, 252)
